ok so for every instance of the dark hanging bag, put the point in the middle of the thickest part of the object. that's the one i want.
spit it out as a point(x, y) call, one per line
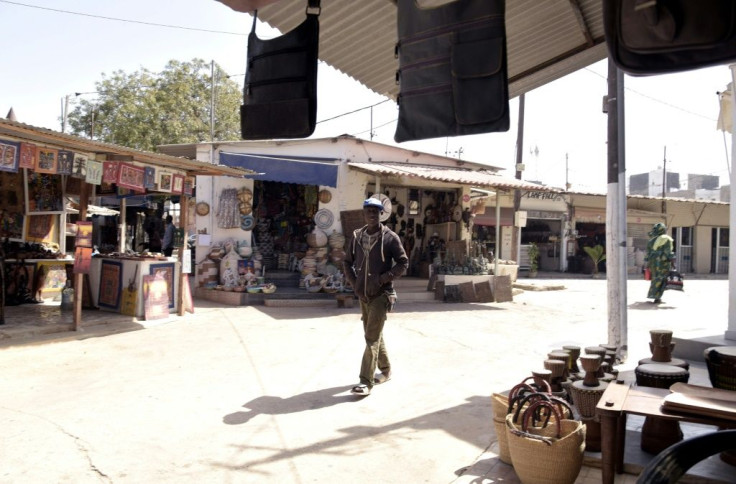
point(452, 69)
point(280, 91)
point(662, 36)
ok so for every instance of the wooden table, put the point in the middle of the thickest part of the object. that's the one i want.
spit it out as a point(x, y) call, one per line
point(621, 399)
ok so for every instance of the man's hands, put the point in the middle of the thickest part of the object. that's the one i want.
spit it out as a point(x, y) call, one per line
point(385, 278)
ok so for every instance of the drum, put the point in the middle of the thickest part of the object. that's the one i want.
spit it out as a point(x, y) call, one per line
point(658, 375)
point(586, 398)
point(574, 355)
point(721, 362)
point(673, 361)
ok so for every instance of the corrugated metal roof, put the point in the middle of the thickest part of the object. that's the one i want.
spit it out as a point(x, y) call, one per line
point(476, 178)
point(35, 134)
point(545, 39)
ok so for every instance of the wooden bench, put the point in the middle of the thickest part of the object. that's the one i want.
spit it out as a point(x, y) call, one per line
point(345, 300)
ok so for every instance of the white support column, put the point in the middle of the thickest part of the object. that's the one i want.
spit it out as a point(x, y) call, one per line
point(731, 331)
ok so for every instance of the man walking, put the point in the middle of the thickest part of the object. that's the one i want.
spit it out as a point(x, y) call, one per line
point(168, 243)
point(373, 261)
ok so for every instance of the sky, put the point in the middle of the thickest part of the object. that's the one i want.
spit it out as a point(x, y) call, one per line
point(49, 53)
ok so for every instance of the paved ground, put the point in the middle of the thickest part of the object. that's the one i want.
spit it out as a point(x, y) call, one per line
point(257, 394)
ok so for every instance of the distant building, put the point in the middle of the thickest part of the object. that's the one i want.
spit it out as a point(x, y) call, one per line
point(696, 187)
point(650, 184)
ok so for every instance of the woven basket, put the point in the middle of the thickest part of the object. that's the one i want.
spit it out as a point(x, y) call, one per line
point(500, 406)
point(546, 455)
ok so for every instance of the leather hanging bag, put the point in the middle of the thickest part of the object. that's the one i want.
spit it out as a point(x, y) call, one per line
point(661, 36)
point(452, 69)
point(280, 91)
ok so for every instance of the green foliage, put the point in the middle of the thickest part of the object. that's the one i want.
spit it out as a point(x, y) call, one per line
point(533, 252)
point(144, 109)
point(596, 254)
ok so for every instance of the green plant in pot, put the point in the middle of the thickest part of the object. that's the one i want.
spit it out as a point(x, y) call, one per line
point(533, 259)
point(597, 255)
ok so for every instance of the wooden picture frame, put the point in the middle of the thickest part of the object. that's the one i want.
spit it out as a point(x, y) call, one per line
point(111, 282)
point(167, 270)
point(165, 181)
point(79, 166)
point(44, 193)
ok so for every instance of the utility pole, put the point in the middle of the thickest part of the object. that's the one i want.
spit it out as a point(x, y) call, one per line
point(212, 101)
point(567, 172)
point(64, 112)
point(664, 181)
point(616, 274)
point(516, 235)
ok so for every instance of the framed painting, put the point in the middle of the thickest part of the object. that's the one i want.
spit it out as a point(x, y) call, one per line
point(94, 172)
point(79, 166)
point(82, 260)
point(177, 184)
point(46, 161)
point(28, 155)
point(44, 193)
point(155, 297)
point(9, 155)
point(167, 272)
point(84, 234)
point(65, 162)
point(111, 277)
point(40, 228)
point(165, 181)
point(11, 224)
point(189, 186)
point(149, 178)
point(110, 171)
point(131, 177)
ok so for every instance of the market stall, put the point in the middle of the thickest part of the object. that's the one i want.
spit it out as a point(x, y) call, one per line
point(48, 180)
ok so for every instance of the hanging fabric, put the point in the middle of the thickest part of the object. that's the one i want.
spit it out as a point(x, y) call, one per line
point(452, 69)
point(280, 91)
point(647, 37)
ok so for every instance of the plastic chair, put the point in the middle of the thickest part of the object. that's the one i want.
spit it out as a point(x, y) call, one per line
point(672, 463)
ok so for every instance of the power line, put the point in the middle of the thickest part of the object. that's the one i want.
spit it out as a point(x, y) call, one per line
point(354, 111)
point(655, 99)
point(116, 19)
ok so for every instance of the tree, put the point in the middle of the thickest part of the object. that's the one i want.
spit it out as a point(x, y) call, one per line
point(144, 109)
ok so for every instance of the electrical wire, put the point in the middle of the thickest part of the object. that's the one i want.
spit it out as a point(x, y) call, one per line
point(116, 19)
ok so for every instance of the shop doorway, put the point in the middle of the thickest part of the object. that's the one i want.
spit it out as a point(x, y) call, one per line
point(284, 215)
point(719, 250)
point(683, 239)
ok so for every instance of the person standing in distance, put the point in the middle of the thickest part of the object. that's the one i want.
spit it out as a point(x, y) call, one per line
point(373, 261)
point(659, 258)
point(168, 243)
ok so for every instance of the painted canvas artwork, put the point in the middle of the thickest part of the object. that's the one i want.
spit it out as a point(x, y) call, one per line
point(79, 167)
point(131, 177)
point(9, 155)
point(28, 155)
point(94, 172)
point(165, 181)
point(46, 160)
point(65, 162)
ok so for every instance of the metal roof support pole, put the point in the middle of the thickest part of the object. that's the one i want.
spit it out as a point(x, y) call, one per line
point(498, 233)
point(79, 277)
point(731, 331)
point(616, 272)
point(123, 227)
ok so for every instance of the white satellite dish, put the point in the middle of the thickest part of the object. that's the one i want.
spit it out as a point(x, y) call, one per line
point(386, 206)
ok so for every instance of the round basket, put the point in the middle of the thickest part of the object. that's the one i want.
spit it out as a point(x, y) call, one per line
point(325, 196)
point(323, 219)
point(557, 460)
point(500, 406)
